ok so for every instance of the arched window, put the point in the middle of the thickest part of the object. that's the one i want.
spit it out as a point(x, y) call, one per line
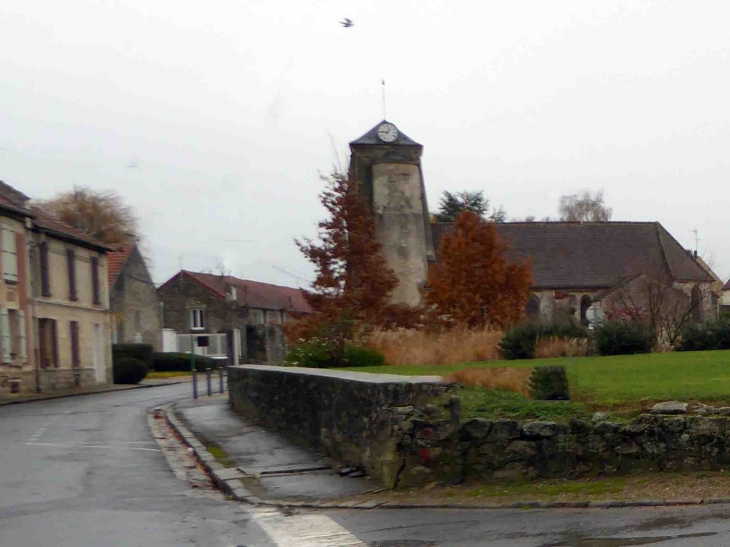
point(696, 303)
point(532, 308)
point(585, 303)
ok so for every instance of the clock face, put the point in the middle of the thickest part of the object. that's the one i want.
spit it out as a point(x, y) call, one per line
point(387, 132)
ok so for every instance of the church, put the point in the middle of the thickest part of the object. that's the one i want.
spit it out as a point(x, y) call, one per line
point(574, 264)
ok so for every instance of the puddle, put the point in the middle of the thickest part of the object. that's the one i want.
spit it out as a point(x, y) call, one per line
point(576, 540)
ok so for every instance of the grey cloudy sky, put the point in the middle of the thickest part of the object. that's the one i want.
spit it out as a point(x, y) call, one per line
point(214, 118)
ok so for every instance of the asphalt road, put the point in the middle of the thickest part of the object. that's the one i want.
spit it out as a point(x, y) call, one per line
point(86, 471)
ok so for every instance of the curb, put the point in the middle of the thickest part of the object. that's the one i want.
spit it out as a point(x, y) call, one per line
point(95, 392)
point(236, 489)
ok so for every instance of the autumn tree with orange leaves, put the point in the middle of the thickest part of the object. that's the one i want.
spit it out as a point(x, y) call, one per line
point(353, 282)
point(473, 283)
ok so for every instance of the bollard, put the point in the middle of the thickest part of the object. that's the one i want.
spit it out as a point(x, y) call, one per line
point(207, 381)
point(220, 377)
point(195, 384)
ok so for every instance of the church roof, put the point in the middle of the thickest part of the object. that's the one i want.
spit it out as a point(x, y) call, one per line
point(592, 255)
point(371, 137)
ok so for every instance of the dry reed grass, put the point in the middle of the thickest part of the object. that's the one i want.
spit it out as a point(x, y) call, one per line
point(412, 347)
point(546, 348)
point(511, 379)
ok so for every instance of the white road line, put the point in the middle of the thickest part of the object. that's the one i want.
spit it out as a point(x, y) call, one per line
point(312, 530)
point(78, 445)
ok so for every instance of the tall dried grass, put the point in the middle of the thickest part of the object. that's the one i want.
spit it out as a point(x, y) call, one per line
point(560, 347)
point(511, 379)
point(412, 347)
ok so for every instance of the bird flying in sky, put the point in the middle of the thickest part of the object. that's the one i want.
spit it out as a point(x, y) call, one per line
point(346, 22)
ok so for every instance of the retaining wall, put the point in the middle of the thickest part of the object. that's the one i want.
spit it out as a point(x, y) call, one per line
point(391, 426)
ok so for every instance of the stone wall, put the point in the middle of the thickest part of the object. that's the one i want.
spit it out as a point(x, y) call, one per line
point(134, 304)
point(393, 427)
point(50, 380)
point(352, 417)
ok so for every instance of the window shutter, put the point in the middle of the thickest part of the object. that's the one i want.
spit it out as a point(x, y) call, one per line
point(43, 342)
point(95, 279)
point(54, 341)
point(71, 261)
point(75, 357)
point(45, 279)
point(10, 259)
point(23, 339)
point(5, 334)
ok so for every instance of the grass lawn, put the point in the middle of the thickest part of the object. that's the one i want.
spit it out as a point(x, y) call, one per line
point(168, 374)
point(621, 380)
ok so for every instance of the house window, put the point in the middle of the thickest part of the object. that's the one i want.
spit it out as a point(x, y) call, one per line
point(71, 263)
point(256, 317)
point(272, 317)
point(197, 319)
point(138, 320)
point(10, 256)
point(532, 308)
point(95, 280)
point(75, 353)
point(45, 277)
point(585, 303)
point(48, 342)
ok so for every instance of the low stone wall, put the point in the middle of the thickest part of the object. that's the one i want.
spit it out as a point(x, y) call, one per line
point(388, 424)
point(355, 418)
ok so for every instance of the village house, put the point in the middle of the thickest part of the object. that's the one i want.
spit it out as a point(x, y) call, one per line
point(135, 308)
point(54, 305)
point(240, 320)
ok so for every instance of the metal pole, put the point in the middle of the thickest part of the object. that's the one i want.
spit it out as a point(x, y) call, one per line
point(192, 368)
point(221, 369)
point(207, 381)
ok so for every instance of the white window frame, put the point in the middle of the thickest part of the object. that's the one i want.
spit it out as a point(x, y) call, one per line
point(257, 317)
point(197, 319)
point(5, 335)
point(23, 338)
point(10, 255)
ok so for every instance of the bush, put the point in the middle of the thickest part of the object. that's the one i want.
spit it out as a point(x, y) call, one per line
point(706, 336)
point(520, 342)
point(549, 384)
point(141, 352)
point(163, 362)
point(507, 378)
point(619, 338)
point(319, 354)
point(356, 356)
point(129, 371)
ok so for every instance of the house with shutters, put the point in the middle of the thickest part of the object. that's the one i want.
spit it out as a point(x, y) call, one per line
point(54, 301)
point(240, 320)
point(135, 308)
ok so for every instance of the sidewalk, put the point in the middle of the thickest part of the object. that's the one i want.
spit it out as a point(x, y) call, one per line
point(63, 393)
point(270, 466)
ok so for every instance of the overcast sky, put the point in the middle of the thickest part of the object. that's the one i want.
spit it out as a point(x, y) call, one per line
point(214, 118)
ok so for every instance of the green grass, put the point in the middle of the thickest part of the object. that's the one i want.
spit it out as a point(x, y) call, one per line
point(168, 374)
point(623, 379)
point(477, 402)
point(530, 490)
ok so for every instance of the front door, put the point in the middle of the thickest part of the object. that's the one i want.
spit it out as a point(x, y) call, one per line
point(99, 361)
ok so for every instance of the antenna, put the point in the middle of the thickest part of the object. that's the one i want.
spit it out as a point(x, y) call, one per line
point(384, 116)
point(697, 241)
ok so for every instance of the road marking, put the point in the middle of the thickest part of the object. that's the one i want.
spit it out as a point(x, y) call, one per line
point(312, 530)
point(38, 434)
point(80, 445)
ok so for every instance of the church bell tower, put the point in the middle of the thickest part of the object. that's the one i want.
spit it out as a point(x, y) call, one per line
point(387, 166)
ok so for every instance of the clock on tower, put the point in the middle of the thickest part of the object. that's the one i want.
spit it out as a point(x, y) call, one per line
point(387, 165)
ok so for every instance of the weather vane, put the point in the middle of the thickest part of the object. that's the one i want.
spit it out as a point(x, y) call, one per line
point(384, 116)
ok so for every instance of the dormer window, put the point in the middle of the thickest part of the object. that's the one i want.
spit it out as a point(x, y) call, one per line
point(234, 293)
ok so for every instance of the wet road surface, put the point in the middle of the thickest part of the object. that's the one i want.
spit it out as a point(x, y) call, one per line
point(86, 471)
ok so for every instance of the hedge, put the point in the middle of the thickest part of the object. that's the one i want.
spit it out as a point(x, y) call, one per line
point(129, 371)
point(141, 352)
point(163, 362)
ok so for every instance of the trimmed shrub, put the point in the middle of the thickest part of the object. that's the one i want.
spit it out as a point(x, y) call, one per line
point(549, 384)
point(319, 354)
point(519, 342)
point(141, 352)
point(164, 362)
point(129, 371)
point(356, 356)
point(619, 338)
point(706, 336)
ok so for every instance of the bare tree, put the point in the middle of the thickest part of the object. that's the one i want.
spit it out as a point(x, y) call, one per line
point(656, 300)
point(101, 214)
point(584, 207)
